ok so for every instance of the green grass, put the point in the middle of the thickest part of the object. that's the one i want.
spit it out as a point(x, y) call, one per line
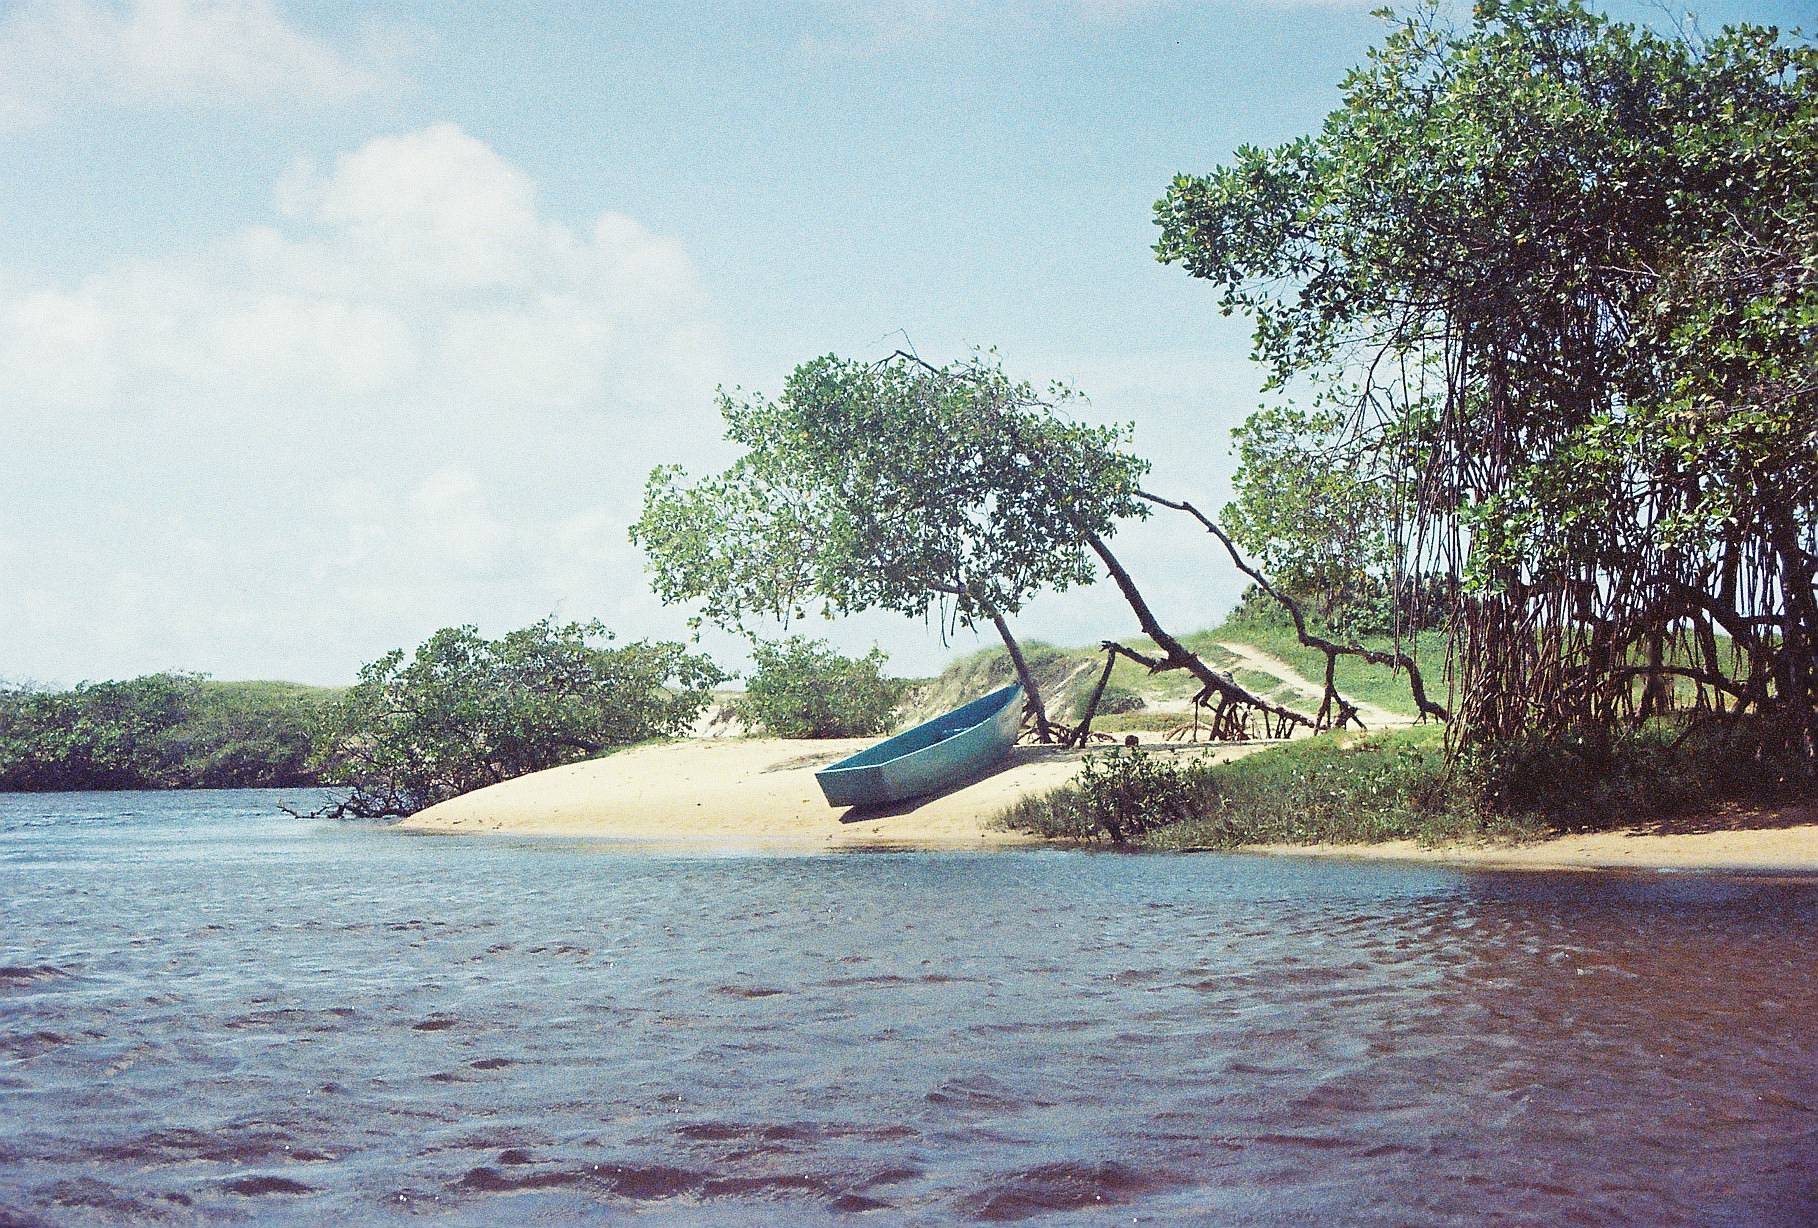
point(1067, 675)
point(1336, 788)
point(1366, 788)
point(1357, 679)
point(266, 690)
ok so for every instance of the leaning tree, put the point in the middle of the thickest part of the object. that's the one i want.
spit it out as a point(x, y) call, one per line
point(888, 485)
point(946, 492)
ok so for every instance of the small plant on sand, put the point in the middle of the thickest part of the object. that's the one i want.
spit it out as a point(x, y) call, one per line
point(1118, 793)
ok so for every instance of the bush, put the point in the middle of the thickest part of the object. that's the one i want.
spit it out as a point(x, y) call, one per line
point(1401, 786)
point(1126, 792)
point(1665, 769)
point(1384, 787)
point(242, 735)
point(465, 712)
point(802, 688)
point(1118, 793)
point(101, 735)
point(161, 731)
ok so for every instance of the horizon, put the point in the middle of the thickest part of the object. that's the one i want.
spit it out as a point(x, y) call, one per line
point(331, 325)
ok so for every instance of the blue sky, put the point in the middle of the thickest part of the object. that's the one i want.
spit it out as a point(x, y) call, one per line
point(323, 325)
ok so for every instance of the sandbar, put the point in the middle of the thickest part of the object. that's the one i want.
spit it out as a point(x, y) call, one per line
point(735, 793)
point(738, 793)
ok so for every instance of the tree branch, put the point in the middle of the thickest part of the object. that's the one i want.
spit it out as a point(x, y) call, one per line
point(1332, 649)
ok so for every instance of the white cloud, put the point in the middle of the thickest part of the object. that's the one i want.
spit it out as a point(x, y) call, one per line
point(59, 53)
point(409, 398)
point(435, 205)
point(419, 265)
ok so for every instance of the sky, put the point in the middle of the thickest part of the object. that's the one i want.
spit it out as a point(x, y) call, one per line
point(324, 325)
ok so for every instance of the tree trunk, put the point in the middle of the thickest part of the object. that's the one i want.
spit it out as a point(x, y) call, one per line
point(1085, 723)
point(1032, 694)
point(1657, 694)
point(1176, 655)
point(1799, 636)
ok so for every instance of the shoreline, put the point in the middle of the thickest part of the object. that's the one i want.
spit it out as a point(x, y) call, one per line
point(758, 795)
point(739, 794)
point(1768, 840)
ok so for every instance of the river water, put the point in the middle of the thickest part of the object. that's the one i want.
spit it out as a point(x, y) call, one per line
point(211, 1012)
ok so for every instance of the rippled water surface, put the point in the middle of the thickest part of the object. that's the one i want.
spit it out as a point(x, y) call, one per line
point(212, 1012)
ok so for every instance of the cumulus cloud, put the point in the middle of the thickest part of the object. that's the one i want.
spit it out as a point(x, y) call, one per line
point(58, 53)
point(417, 266)
point(409, 397)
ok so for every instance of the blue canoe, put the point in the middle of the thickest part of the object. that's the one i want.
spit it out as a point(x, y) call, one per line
point(929, 758)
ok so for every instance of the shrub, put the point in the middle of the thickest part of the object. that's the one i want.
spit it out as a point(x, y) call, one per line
point(465, 712)
point(1384, 787)
point(1126, 791)
point(160, 731)
point(802, 688)
point(101, 735)
point(1401, 786)
point(1118, 793)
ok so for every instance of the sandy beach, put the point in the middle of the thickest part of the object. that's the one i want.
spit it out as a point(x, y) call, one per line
point(740, 792)
point(1779, 840)
point(732, 794)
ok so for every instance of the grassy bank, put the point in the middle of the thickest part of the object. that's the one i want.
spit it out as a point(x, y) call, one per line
point(1159, 702)
point(1400, 786)
point(1358, 680)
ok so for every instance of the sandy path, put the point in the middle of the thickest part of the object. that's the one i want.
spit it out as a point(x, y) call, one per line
point(1268, 663)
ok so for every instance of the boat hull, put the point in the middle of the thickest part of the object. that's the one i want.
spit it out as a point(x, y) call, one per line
point(929, 758)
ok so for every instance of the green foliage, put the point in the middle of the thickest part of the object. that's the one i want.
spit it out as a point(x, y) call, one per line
point(1316, 516)
point(1642, 776)
point(1385, 787)
point(101, 735)
point(1316, 509)
point(1401, 786)
point(160, 731)
point(802, 688)
point(1125, 792)
point(465, 711)
point(889, 485)
point(242, 735)
point(1551, 277)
